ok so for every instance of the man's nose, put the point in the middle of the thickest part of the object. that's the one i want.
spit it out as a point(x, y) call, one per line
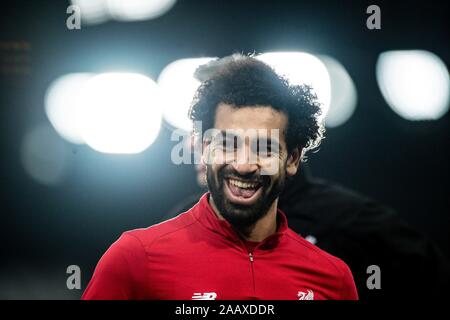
point(244, 163)
point(245, 168)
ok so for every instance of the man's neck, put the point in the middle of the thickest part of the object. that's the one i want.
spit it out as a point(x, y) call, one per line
point(261, 229)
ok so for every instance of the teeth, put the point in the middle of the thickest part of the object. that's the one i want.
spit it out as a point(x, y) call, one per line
point(244, 185)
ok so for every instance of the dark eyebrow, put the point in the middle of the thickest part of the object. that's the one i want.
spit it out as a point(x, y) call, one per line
point(273, 143)
point(221, 133)
point(226, 133)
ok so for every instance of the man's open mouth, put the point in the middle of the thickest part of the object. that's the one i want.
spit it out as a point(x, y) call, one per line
point(241, 191)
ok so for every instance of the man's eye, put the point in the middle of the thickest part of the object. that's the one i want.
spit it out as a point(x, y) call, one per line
point(263, 149)
point(231, 144)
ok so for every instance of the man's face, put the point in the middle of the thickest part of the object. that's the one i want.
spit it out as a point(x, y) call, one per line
point(238, 164)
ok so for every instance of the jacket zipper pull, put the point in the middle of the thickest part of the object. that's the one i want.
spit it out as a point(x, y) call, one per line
point(250, 256)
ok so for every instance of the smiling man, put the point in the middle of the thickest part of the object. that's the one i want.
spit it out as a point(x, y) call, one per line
point(234, 243)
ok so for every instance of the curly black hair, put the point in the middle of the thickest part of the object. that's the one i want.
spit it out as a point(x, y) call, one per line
point(241, 80)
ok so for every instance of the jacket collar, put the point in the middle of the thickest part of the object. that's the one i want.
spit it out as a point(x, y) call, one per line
point(208, 218)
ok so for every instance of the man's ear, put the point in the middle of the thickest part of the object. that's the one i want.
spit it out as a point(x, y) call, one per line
point(293, 162)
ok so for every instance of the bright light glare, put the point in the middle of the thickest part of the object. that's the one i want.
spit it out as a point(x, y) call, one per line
point(97, 11)
point(414, 83)
point(138, 9)
point(121, 112)
point(302, 68)
point(343, 93)
point(178, 86)
point(92, 11)
point(62, 105)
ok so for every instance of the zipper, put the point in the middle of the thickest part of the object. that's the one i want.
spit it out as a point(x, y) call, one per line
point(251, 258)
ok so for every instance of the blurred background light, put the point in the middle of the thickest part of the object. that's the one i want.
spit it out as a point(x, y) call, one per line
point(302, 68)
point(415, 83)
point(44, 155)
point(343, 93)
point(129, 10)
point(121, 112)
point(98, 11)
point(92, 11)
point(178, 86)
point(62, 105)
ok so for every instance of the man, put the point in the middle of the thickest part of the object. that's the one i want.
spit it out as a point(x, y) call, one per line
point(357, 229)
point(234, 243)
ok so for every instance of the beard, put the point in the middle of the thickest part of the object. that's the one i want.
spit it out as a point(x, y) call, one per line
point(238, 215)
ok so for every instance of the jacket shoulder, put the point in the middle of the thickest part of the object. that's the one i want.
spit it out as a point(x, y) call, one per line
point(148, 236)
point(327, 264)
point(317, 255)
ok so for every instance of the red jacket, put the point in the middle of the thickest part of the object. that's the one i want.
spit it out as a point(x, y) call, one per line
point(197, 256)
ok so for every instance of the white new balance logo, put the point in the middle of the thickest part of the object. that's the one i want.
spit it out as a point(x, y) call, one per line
point(309, 295)
point(204, 296)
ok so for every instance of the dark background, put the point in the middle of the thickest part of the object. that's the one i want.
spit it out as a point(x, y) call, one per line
point(44, 229)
